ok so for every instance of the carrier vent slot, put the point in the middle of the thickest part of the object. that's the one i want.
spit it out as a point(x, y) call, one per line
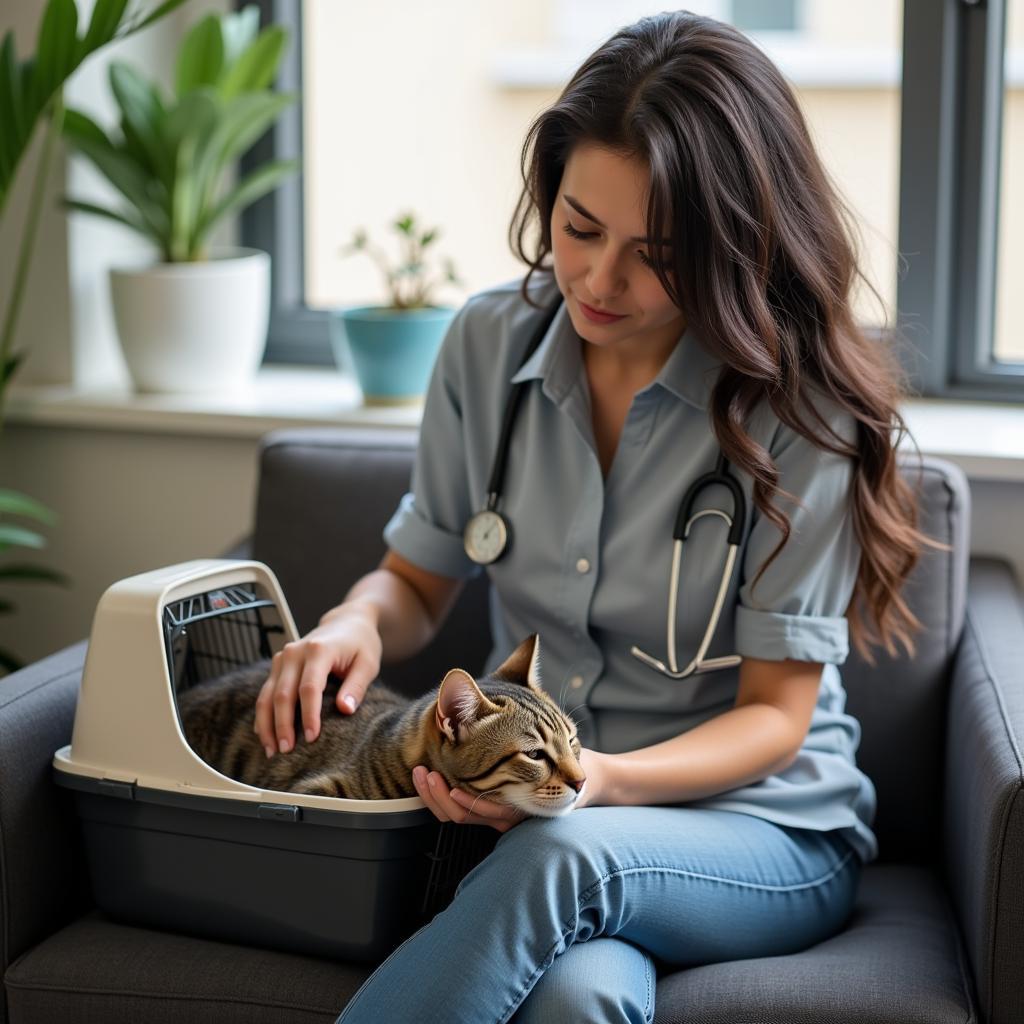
point(456, 851)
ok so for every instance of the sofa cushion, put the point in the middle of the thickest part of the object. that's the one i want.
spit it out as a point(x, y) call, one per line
point(898, 961)
point(95, 971)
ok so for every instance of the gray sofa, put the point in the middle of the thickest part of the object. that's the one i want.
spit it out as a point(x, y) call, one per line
point(938, 932)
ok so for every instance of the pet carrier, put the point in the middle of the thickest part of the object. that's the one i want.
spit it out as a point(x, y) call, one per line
point(173, 843)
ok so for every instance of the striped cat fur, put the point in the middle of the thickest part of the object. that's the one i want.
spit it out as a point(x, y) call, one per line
point(503, 738)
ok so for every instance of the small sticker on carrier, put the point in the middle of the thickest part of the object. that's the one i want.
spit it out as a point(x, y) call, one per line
point(218, 599)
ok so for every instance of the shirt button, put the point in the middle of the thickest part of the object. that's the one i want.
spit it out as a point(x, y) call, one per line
point(582, 566)
point(576, 682)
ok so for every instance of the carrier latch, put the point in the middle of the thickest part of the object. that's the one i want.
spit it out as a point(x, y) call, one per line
point(115, 787)
point(279, 812)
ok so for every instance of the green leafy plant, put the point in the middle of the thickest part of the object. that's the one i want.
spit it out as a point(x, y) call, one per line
point(407, 281)
point(13, 536)
point(171, 157)
point(31, 93)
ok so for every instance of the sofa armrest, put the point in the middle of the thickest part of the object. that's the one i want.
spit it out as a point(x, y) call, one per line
point(983, 824)
point(42, 870)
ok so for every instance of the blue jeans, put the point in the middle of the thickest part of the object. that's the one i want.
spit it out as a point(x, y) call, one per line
point(568, 917)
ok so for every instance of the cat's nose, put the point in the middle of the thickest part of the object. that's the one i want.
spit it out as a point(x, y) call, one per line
point(576, 784)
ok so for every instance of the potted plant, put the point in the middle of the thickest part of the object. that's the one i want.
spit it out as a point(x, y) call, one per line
point(195, 320)
point(31, 95)
point(393, 347)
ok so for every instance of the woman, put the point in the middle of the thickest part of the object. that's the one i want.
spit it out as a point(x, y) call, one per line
point(696, 300)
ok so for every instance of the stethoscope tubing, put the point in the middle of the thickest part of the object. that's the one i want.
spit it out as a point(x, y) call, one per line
point(681, 530)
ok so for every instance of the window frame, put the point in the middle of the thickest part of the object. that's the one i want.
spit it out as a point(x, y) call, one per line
point(952, 108)
point(952, 94)
point(275, 223)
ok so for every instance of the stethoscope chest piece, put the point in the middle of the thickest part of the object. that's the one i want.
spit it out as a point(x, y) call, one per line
point(487, 536)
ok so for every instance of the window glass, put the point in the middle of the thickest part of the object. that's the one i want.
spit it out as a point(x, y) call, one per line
point(434, 122)
point(1009, 318)
point(764, 15)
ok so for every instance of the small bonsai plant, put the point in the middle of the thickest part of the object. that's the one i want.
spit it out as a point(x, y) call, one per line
point(408, 283)
point(172, 155)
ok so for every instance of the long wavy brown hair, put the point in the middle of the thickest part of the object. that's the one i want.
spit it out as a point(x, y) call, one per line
point(763, 260)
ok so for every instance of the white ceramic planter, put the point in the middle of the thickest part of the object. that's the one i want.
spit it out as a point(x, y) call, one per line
point(194, 326)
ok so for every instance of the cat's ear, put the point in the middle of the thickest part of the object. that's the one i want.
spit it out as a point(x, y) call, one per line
point(523, 664)
point(459, 704)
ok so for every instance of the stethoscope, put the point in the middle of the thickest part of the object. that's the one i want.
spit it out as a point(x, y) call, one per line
point(488, 534)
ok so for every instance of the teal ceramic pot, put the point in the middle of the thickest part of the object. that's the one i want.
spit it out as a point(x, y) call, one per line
point(391, 351)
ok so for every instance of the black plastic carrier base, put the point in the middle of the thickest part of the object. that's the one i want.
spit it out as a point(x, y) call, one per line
point(341, 885)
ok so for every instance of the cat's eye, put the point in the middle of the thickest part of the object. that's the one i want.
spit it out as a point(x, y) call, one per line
point(535, 755)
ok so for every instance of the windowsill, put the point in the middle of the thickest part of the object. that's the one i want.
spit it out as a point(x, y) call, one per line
point(985, 439)
point(282, 396)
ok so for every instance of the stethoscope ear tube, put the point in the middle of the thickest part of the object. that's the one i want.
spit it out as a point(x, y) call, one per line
point(487, 536)
point(497, 480)
point(719, 475)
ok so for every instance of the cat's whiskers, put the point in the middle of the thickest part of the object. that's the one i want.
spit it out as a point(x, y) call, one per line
point(561, 695)
point(570, 713)
point(485, 793)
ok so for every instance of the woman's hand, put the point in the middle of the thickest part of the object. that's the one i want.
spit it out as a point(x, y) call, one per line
point(347, 644)
point(455, 805)
point(594, 765)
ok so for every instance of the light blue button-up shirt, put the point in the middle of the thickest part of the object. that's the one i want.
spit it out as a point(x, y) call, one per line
point(589, 563)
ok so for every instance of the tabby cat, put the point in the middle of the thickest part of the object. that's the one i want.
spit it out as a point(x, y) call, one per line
point(503, 738)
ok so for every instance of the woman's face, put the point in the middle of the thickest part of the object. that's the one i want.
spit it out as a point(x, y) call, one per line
point(607, 268)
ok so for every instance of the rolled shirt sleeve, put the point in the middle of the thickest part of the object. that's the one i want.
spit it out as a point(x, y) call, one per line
point(798, 607)
point(426, 528)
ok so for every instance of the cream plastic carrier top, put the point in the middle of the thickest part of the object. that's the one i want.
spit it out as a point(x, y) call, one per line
point(126, 722)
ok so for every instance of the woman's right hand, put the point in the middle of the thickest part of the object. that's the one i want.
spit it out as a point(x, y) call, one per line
point(347, 644)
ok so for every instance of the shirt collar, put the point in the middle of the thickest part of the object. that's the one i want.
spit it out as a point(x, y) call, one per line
point(689, 372)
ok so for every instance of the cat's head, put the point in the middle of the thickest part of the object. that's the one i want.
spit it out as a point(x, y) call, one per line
point(504, 738)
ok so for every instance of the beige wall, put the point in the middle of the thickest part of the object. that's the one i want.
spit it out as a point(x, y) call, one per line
point(128, 502)
point(408, 118)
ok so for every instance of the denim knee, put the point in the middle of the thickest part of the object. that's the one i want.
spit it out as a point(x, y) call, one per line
point(602, 981)
point(534, 847)
point(560, 868)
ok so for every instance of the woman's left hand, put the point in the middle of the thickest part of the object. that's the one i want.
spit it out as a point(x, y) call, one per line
point(454, 805)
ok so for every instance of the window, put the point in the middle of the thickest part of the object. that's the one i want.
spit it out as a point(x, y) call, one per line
point(434, 124)
point(953, 151)
point(1009, 331)
point(764, 15)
